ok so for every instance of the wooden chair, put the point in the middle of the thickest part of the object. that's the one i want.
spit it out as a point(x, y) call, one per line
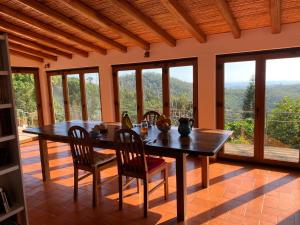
point(85, 158)
point(132, 162)
point(151, 117)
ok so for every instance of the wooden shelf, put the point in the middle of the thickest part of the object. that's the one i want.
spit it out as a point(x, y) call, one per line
point(4, 72)
point(14, 210)
point(7, 138)
point(6, 106)
point(8, 168)
point(11, 179)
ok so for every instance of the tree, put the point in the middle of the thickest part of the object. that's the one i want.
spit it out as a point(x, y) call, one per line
point(248, 101)
point(283, 123)
point(25, 98)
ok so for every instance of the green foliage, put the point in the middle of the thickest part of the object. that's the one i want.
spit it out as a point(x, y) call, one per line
point(74, 97)
point(93, 99)
point(243, 131)
point(25, 98)
point(283, 123)
point(24, 92)
point(181, 94)
point(58, 100)
point(248, 101)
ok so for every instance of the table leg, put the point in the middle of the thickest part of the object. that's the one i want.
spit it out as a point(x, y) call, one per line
point(44, 159)
point(205, 171)
point(181, 186)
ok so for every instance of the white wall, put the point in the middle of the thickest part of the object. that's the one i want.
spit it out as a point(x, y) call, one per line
point(252, 40)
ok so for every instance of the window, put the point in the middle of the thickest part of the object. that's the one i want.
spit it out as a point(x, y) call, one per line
point(258, 98)
point(168, 87)
point(75, 94)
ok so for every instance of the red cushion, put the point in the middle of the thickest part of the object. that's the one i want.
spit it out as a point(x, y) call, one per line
point(152, 163)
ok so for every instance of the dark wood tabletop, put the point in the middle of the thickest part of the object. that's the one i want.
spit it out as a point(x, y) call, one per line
point(200, 141)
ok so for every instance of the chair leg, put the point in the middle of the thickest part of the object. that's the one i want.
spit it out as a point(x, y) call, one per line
point(138, 185)
point(75, 184)
point(166, 183)
point(95, 189)
point(120, 192)
point(146, 203)
point(99, 178)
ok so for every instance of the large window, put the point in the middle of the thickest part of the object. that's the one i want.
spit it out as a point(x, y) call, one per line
point(168, 87)
point(258, 98)
point(75, 94)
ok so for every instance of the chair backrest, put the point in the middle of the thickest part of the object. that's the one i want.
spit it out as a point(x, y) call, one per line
point(151, 117)
point(130, 154)
point(81, 147)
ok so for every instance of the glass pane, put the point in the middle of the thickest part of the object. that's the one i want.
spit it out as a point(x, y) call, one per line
point(181, 92)
point(74, 97)
point(152, 88)
point(58, 98)
point(127, 93)
point(93, 96)
point(239, 106)
point(282, 126)
point(26, 108)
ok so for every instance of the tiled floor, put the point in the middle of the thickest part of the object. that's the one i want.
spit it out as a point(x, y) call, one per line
point(239, 194)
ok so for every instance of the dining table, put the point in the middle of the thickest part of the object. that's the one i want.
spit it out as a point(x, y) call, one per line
point(200, 142)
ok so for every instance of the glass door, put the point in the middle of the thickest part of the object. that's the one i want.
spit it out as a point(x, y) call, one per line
point(152, 90)
point(25, 90)
point(92, 90)
point(127, 93)
point(282, 110)
point(168, 87)
point(74, 94)
point(181, 92)
point(57, 98)
point(239, 107)
point(258, 98)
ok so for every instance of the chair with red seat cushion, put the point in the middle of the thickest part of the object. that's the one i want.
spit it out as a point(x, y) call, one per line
point(132, 162)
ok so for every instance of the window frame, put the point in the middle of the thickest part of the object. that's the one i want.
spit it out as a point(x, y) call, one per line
point(64, 74)
point(164, 65)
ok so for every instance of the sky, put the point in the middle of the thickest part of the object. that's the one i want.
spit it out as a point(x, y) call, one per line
point(287, 69)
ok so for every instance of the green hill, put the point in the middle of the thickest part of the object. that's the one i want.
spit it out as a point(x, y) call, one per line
point(181, 93)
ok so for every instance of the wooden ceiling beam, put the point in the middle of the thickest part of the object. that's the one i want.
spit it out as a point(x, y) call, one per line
point(275, 13)
point(35, 45)
point(104, 21)
point(31, 51)
point(228, 16)
point(40, 38)
point(184, 18)
point(25, 55)
point(42, 8)
point(140, 17)
point(48, 28)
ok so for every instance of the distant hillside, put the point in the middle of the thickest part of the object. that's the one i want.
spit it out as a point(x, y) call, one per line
point(274, 93)
point(181, 93)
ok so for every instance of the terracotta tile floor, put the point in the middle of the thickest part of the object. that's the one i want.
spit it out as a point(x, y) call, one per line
point(239, 194)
